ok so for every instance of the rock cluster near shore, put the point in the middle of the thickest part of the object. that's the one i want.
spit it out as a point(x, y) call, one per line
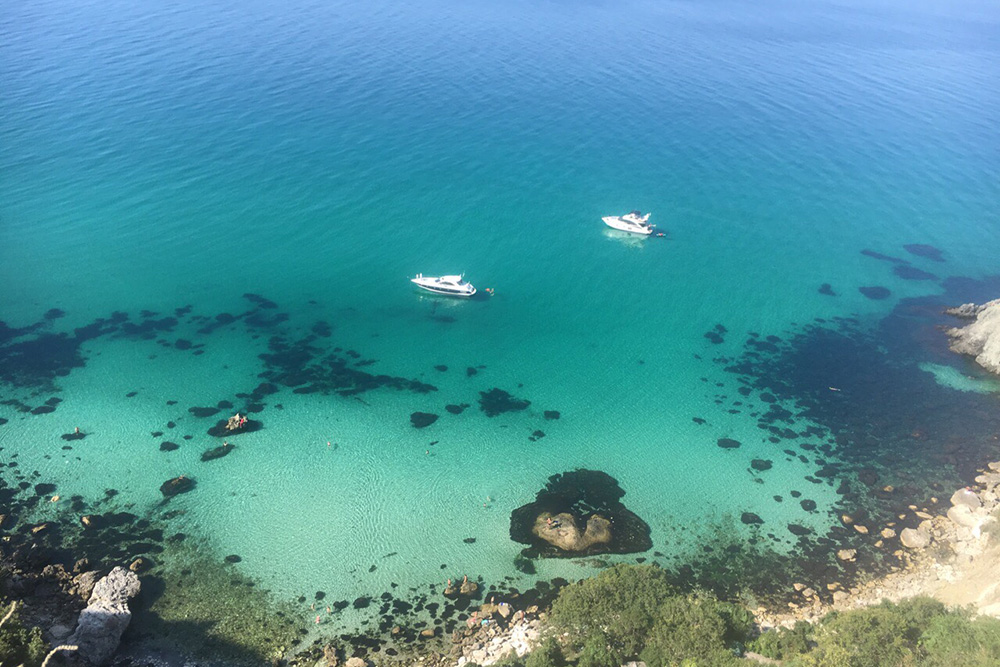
point(981, 338)
point(949, 556)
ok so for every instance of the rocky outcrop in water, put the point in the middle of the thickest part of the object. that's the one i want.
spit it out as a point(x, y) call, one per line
point(102, 623)
point(981, 338)
point(579, 513)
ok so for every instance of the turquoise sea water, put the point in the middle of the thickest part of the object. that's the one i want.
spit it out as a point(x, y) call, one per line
point(319, 153)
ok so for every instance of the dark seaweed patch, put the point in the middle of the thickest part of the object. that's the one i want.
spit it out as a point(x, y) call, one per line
point(912, 273)
point(300, 362)
point(884, 258)
point(259, 301)
point(875, 292)
point(167, 446)
point(203, 412)
point(422, 419)
point(551, 414)
point(761, 464)
point(728, 443)
point(827, 290)
point(496, 401)
point(456, 409)
point(923, 250)
point(751, 519)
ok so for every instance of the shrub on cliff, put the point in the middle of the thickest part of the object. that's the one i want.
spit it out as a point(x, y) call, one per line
point(19, 645)
point(621, 603)
point(597, 652)
point(918, 631)
point(546, 654)
point(783, 643)
point(633, 611)
point(697, 630)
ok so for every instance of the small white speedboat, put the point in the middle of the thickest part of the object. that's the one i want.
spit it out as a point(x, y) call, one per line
point(448, 285)
point(634, 222)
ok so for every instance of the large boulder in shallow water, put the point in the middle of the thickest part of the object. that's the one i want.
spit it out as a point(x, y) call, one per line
point(562, 532)
point(588, 516)
point(220, 430)
point(100, 626)
point(216, 452)
point(914, 538)
point(422, 419)
point(177, 485)
point(980, 339)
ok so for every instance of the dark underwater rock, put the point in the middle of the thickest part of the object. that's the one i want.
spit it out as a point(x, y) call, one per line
point(220, 430)
point(751, 519)
point(729, 443)
point(203, 412)
point(761, 464)
point(924, 250)
point(496, 401)
point(456, 409)
point(912, 273)
point(551, 414)
point(422, 419)
point(827, 290)
point(176, 486)
point(875, 292)
point(580, 498)
point(217, 452)
point(884, 258)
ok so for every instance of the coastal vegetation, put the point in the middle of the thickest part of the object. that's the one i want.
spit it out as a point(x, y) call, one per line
point(19, 645)
point(634, 613)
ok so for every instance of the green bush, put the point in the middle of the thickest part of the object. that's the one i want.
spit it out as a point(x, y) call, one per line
point(597, 652)
point(918, 631)
point(19, 645)
point(955, 641)
point(697, 631)
point(546, 654)
point(783, 643)
point(621, 603)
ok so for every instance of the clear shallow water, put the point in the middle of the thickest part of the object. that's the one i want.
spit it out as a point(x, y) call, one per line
point(319, 154)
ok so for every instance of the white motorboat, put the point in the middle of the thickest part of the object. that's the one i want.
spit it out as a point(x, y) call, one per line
point(634, 222)
point(448, 285)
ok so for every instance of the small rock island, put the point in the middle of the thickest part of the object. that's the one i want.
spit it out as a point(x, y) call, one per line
point(579, 513)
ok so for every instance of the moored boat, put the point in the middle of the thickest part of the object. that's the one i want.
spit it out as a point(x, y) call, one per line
point(634, 222)
point(447, 285)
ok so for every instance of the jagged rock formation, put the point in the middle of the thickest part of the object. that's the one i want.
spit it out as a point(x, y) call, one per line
point(101, 625)
point(981, 338)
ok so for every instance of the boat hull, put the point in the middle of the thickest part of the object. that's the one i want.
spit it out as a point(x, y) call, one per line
point(617, 223)
point(436, 290)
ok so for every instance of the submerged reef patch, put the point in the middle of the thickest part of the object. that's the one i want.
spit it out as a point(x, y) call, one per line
point(496, 401)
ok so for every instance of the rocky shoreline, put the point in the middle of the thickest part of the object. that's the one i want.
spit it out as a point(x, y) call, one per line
point(945, 557)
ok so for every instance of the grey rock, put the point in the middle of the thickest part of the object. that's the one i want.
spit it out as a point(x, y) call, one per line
point(967, 498)
point(963, 516)
point(100, 627)
point(85, 583)
point(967, 311)
point(914, 539)
point(981, 338)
